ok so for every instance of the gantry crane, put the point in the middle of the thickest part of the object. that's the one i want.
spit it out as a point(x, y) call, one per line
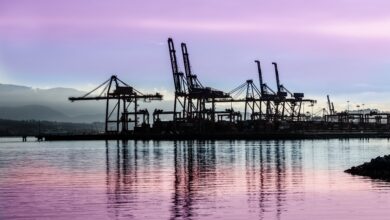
point(198, 95)
point(181, 93)
point(279, 105)
point(267, 96)
point(330, 106)
point(191, 96)
point(288, 107)
point(119, 95)
point(251, 97)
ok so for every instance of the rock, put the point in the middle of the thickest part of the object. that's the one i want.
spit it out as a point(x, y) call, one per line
point(377, 168)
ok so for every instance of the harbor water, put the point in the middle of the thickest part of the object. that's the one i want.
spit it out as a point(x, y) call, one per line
point(190, 180)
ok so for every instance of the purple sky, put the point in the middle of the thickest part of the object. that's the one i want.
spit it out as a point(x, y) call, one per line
point(337, 47)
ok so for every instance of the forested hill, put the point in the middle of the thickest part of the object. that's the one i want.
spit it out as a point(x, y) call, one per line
point(31, 127)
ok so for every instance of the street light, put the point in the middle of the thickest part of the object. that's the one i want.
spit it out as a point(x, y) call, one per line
point(348, 107)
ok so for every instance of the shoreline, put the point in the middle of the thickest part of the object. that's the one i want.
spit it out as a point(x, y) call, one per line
point(218, 136)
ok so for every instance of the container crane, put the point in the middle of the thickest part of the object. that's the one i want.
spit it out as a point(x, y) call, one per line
point(294, 102)
point(181, 93)
point(119, 95)
point(267, 94)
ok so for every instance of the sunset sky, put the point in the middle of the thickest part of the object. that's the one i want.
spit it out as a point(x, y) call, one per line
point(336, 47)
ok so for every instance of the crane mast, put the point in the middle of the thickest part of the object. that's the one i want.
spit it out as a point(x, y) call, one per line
point(277, 77)
point(260, 77)
point(187, 67)
point(330, 106)
point(175, 68)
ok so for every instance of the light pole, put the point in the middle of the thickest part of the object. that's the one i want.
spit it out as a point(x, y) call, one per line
point(348, 106)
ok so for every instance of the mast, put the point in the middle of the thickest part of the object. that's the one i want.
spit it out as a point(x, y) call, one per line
point(277, 77)
point(260, 77)
point(175, 68)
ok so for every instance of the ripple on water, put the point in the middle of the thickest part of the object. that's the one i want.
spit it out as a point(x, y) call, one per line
point(190, 180)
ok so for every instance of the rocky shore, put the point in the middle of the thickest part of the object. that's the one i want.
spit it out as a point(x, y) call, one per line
point(378, 168)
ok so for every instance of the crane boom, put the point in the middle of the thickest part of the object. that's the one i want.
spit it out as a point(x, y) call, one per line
point(277, 77)
point(187, 66)
point(175, 68)
point(329, 104)
point(260, 77)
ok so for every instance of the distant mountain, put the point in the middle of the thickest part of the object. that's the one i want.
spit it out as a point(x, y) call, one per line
point(22, 95)
point(43, 113)
point(33, 127)
point(26, 103)
point(32, 112)
point(87, 118)
point(13, 88)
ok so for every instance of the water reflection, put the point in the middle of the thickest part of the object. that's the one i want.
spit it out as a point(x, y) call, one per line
point(198, 176)
point(195, 178)
point(121, 173)
point(267, 178)
point(131, 170)
point(191, 180)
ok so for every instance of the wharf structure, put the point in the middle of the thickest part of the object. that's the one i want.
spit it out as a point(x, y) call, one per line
point(267, 113)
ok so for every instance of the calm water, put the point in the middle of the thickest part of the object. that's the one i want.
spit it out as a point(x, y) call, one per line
point(190, 180)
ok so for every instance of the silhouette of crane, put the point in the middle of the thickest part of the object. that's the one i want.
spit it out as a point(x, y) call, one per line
point(330, 106)
point(191, 96)
point(267, 96)
point(288, 106)
point(119, 95)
